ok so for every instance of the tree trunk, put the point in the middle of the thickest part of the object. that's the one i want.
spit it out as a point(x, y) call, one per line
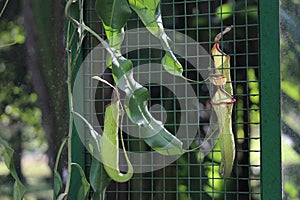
point(44, 24)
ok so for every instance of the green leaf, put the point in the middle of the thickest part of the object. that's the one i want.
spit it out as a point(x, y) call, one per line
point(99, 179)
point(113, 13)
point(94, 144)
point(154, 133)
point(171, 65)
point(83, 191)
point(57, 185)
point(152, 130)
point(8, 158)
point(19, 188)
point(150, 14)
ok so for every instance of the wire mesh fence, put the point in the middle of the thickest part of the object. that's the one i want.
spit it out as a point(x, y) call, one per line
point(183, 105)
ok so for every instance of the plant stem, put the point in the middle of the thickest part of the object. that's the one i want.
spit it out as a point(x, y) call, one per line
point(4, 7)
point(69, 83)
point(69, 44)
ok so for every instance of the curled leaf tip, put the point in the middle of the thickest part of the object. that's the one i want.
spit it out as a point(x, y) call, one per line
point(220, 35)
point(107, 83)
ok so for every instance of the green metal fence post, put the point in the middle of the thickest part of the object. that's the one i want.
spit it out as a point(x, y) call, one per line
point(270, 100)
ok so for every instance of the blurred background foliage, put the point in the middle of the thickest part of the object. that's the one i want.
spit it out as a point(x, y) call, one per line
point(22, 106)
point(24, 121)
point(290, 87)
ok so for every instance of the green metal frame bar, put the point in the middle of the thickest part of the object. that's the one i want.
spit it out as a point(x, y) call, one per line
point(271, 185)
point(77, 147)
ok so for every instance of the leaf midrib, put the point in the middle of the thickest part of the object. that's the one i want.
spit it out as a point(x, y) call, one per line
point(113, 9)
